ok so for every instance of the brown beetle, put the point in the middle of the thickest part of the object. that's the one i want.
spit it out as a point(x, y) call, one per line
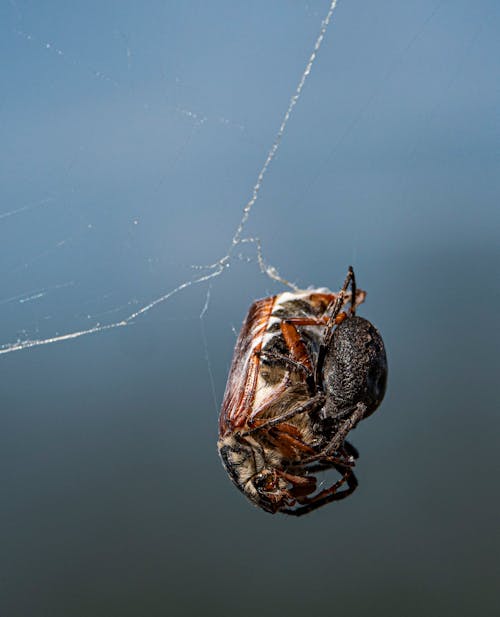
point(304, 373)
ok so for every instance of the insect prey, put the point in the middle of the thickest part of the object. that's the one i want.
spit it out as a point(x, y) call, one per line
point(306, 369)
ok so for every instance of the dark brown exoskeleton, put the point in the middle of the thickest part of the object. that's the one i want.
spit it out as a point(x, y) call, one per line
point(351, 372)
point(304, 373)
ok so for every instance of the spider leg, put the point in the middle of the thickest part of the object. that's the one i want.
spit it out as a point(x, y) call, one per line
point(344, 429)
point(339, 301)
point(350, 450)
point(350, 274)
point(336, 317)
point(338, 444)
point(323, 463)
point(350, 279)
point(342, 413)
point(326, 460)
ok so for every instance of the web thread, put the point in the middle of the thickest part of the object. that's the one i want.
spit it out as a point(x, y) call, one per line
point(206, 273)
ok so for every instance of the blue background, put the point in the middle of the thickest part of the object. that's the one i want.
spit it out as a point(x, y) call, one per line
point(132, 135)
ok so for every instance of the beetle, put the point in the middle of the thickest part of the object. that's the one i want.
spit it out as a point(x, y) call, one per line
point(306, 369)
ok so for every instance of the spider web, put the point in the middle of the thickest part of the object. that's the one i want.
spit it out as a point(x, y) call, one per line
point(135, 309)
point(85, 247)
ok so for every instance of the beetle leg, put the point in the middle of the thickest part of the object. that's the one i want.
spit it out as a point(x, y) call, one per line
point(288, 434)
point(293, 340)
point(308, 504)
point(298, 350)
point(268, 402)
point(289, 445)
point(283, 445)
point(299, 354)
point(301, 485)
point(272, 355)
point(312, 404)
point(306, 321)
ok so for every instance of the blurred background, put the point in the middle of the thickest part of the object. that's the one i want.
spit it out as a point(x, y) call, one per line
point(132, 135)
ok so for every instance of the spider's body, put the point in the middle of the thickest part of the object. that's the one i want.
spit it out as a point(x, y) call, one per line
point(303, 374)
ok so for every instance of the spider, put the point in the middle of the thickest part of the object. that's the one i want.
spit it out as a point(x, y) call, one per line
point(304, 373)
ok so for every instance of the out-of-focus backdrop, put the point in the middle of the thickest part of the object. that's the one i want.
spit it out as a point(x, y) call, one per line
point(132, 134)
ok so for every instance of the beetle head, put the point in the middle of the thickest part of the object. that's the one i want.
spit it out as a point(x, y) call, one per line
point(246, 464)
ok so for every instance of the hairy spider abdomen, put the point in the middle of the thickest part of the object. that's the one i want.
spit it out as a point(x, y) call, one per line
point(355, 367)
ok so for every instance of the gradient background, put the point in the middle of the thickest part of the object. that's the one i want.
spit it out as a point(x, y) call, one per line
point(132, 134)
